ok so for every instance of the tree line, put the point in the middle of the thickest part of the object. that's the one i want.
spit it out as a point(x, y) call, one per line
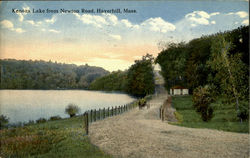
point(211, 66)
point(22, 74)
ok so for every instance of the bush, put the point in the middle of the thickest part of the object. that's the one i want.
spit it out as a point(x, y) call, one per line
point(72, 110)
point(243, 112)
point(41, 120)
point(178, 116)
point(3, 121)
point(202, 98)
point(53, 118)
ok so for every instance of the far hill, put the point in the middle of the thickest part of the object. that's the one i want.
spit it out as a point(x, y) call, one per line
point(22, 74)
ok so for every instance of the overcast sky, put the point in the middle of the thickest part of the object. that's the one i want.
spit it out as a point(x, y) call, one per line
point(112, 41)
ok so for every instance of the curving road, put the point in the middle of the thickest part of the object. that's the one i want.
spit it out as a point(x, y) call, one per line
point(141, 134)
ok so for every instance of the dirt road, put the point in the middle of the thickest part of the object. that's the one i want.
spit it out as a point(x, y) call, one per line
point(141, 134)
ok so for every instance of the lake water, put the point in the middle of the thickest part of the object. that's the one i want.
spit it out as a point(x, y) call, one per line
point(25, 105)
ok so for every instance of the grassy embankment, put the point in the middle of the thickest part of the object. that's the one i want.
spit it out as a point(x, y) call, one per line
point(225, 117)
point(60, 138)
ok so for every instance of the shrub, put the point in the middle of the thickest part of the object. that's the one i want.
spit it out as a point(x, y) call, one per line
point(72, 110)
point(202, 98)
point(41, 120)
point(53, 118)
point(243, 112)
point(178, 116)
point(3, 121)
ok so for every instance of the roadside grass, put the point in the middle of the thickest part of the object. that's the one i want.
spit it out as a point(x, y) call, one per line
point(225, 117)
point(59, 138)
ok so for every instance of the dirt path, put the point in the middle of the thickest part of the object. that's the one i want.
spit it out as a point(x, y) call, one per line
point(141, 134)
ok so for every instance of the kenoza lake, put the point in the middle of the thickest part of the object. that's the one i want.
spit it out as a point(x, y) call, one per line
point(25, 105)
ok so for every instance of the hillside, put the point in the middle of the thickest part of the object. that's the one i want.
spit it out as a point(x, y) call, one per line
point(22, 74)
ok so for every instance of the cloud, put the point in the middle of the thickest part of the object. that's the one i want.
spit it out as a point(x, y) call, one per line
point(215, 13)
point(242, 14)
point(198, 17)
point(245, 22)
point(32, 22)
point(19, 30)
point(158, 25)
point(21, 15)
point(128, 24)
point(53, 31)
point(112, 18)
point(213, 22)
point(7, 24)
point(95, 20)
point(52, 20)
point(116, 37)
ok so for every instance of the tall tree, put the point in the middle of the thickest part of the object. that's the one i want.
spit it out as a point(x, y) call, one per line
point(141, 77)
point(230, 71)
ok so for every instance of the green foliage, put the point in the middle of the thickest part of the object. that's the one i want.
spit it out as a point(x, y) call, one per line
point(62, 138)
point(115, 81)
point(41, 120)
point(53, 118)
point(72, 110)
point(225, 116)
point(173, 63)
point(3, 121)
point(187, 64)
point(178, 116)
point(231, 73)
point(142, 102)
point(21, 74)
point(202, 99)
point(141, 77)
point(243, 111)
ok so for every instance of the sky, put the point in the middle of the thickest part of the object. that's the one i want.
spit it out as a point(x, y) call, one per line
point(109, 40)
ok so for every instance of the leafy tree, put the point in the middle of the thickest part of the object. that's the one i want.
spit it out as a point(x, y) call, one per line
point(173, 63)
point(72, 110)
point(230, 71)
point(141, 77)
point(3, 121)
point(202, 98)
point(115, 81)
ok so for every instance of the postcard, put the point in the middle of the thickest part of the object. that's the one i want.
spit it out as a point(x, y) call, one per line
point(124, 78)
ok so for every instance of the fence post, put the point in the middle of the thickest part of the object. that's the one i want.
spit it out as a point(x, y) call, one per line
point(162, 115)
point(95, 115)
point(160, 112)
point(99, 114)
point(108, 111)
point(91, 115)
point(115, 110)
point(112, 111)
point(103, 113)
point(86, 120)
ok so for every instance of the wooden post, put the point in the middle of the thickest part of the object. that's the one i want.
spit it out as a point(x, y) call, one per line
point(112, 111)
point(160, 112)
point(115, 110)
point(108, 111)
point(162, 115)
point(86, 121)
point(91, 115)
point(99, 114)
point(94, 115)
point(103, 113)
